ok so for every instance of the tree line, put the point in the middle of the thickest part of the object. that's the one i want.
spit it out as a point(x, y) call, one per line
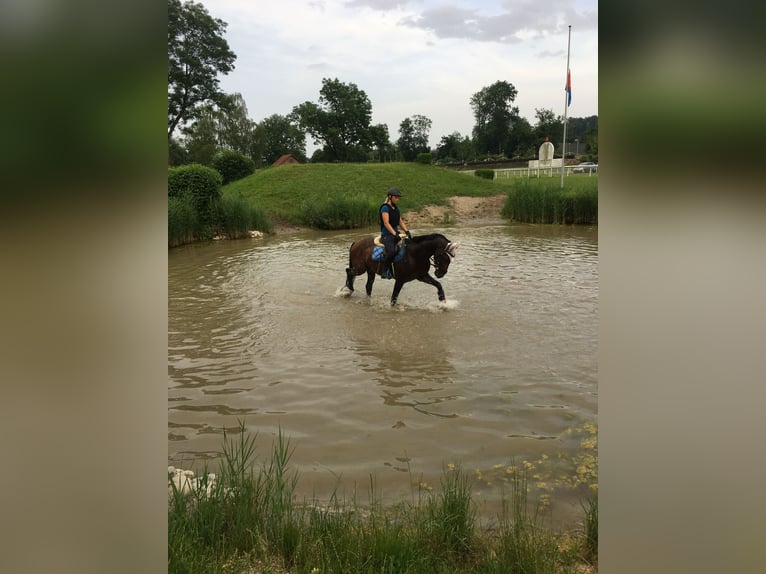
point(203, 121)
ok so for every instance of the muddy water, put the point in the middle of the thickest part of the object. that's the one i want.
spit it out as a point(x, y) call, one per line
point(502, 375)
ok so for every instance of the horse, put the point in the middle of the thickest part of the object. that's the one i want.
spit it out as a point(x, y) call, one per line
point(419, 254)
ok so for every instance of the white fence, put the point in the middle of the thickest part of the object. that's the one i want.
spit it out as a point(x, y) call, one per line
point(548, 171)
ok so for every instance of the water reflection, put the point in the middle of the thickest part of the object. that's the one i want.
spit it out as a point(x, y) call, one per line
point(413, 368)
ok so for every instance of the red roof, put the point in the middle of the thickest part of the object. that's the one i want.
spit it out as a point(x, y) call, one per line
point(285, 159)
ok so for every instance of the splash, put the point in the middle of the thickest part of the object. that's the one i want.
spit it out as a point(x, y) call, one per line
point(439, 306)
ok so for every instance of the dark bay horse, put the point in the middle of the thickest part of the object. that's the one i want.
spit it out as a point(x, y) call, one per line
point(420, 254)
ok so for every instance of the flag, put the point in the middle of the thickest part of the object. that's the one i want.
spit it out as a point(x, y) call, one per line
point(568, 88)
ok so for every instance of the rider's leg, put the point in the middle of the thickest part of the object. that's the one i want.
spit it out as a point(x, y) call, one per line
point(390, 251)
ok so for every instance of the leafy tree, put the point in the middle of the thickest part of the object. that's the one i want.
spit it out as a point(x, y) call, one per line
point(201, 137)
point(549, 126)
point(277, 136)
point(494, 117)
point(197, 53)
point(454, 147)
point(413, 136)
point(340, 122)
point(235, 130)
point(176, 153)
point(522, 140)
point(381, 141)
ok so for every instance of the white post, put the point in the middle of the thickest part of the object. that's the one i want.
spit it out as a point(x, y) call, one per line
point(566, 94)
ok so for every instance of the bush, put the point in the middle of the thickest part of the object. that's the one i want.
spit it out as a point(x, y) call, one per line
point(232, 165)
point(201, 184)
point(485, 173)
point(424, 158)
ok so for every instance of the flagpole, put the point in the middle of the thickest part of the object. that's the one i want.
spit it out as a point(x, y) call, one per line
point(566, 94)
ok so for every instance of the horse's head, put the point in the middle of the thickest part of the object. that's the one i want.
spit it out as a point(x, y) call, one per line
point(443, 257)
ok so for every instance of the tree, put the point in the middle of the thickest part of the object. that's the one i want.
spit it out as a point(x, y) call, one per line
point(279, 136)
point(494, 117)
point(380, 140)
point(340, 122)
point(236, 131)
point(201, 137)
point(549, 126)
point(413, 136)
point(522, 140)
point(197, 53)
point(454, 147)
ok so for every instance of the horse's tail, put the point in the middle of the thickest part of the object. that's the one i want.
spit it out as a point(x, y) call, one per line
point(350, 250)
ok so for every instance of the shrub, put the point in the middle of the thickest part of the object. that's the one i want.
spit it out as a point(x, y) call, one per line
point(424, 158)
point(202, 184)
point(485, 173)
point(232, 165)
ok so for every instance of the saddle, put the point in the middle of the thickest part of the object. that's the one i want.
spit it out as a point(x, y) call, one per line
point(379, 243)
point(379, 249)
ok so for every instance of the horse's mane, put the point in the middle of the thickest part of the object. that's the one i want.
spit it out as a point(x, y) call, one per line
point(429, 237)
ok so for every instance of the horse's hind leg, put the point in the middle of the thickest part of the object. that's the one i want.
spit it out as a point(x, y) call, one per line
point(370, 281)
point(350, 279)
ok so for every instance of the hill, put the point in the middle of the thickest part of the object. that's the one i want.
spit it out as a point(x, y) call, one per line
point(282, 191)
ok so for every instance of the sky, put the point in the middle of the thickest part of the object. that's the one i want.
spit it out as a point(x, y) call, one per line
point(425, 57)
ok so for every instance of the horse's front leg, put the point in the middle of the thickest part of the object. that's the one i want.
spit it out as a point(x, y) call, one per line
point(395, 293)
point(370, 281)
point(431, 281)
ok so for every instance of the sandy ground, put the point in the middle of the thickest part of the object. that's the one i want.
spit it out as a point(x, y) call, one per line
point(460, 210)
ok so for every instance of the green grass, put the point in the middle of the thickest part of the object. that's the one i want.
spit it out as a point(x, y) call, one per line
point(296, 193)
point(543, 200)
point(251, 522)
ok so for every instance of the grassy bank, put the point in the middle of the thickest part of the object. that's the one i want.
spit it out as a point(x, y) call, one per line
point(348, 195)
point(250, 522)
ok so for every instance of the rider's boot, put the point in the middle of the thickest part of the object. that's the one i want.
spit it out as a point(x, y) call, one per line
point(386, 268)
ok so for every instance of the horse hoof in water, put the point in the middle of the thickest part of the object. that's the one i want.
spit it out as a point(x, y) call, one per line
point(346, 292)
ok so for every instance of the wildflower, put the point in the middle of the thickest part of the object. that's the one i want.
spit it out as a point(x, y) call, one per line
point(451, 466)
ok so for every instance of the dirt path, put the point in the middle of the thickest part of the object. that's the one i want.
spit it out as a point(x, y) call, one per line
point(460, 210)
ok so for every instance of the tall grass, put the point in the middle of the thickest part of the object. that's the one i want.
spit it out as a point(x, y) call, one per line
point(544, 201)
point(236, 217)
point(339, 212)
point(250, 521)
point(232, 216)
point(183, 223)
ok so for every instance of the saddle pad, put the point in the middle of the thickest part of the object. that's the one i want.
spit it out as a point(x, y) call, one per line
point(377, 253)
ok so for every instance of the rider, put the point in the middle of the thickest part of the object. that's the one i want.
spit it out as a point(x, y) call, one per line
point(390, 221)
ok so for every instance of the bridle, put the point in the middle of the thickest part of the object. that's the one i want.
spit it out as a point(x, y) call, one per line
point(449, 250)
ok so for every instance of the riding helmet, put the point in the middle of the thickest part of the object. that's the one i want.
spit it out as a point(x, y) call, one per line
point(394, 191)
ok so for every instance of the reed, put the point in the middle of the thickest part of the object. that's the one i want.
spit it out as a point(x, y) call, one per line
point(183, 223)
point(344, 211)
point(542, 200)
point(249, 521)
point(236, 216)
